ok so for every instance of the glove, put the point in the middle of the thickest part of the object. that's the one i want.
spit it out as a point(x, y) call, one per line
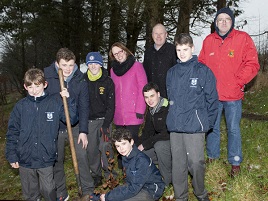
point(139, 116)
point(95, 197)
point(105, 134)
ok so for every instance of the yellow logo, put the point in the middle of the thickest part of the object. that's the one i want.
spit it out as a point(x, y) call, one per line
point(101, 90)
point(231, 53)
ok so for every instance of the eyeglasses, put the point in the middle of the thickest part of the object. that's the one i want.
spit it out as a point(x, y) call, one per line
point(118, 53)
point(221, 20)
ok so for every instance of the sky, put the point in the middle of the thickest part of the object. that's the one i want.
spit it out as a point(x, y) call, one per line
point(256, 15)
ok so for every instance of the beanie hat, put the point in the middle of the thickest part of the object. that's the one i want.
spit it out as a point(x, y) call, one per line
point(94, 57)
point(229, 12)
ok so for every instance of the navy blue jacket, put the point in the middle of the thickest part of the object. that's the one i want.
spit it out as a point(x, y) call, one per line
point(141, 173)
point(193, 98)
point(33, 130)
point(78, 89)
point(102, 101)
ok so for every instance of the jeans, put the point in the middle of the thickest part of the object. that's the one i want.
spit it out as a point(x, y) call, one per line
point(233, 112)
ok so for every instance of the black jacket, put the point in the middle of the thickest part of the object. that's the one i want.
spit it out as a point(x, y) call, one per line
point(33, 130)
point(78, 89)
point(156, 64)
point(155, 128)
point(102, 100)
point(193, 97)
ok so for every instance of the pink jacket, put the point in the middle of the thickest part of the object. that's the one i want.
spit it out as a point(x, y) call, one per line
point(128, 95)
point(234, 62)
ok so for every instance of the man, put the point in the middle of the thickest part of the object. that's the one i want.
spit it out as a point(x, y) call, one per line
point(155, 137)
point(159, 58)
point(191, 88)
point(233, 58)
point(78, 89)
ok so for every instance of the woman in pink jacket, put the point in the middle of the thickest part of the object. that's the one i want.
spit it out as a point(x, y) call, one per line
point(129, 78)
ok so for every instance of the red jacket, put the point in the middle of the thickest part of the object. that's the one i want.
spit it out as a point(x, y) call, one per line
point(234, 62)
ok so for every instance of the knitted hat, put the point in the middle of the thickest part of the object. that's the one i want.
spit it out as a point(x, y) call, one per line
point(229, 12)
point(94, 57)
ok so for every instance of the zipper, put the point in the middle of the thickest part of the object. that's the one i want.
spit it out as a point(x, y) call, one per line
point(202, 127)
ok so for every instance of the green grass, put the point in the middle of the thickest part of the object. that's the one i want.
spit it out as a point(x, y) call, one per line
point(251, 184)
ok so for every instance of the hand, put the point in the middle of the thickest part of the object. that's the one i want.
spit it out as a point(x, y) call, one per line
point(65, 93)
point(15, 165)
point(139, 116)
point(83, 138)
point(105, 134)
point(102, 197)
point(140, 147)
point(95, 197)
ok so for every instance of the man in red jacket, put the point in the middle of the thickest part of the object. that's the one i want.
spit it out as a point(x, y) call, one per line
point(233, 58)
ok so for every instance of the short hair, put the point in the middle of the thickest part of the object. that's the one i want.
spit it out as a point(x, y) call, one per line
point(122, 46)
point(121, 134)
point(183, 39)
point(34, 75)
point(65, 54)
point(150, 86)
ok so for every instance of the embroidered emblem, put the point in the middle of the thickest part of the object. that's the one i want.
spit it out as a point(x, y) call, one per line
point(101, 90)
point(193, 82)
point(91, 58)
point(49, 116)
point(231, 53)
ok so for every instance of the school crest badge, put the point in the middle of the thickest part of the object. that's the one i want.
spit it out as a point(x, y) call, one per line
point(193, 82)
point(101, 89)
point(49, 116)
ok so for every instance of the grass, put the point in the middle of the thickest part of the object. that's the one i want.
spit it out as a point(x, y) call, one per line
point(251, 184)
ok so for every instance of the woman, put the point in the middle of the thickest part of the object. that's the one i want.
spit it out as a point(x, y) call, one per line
point(129, 78)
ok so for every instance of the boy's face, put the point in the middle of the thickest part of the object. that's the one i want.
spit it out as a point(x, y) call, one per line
point(184, 52)
point(124, 147)
point(94, 68)
point(151, 97)
point(67, 67)
point(36, 90)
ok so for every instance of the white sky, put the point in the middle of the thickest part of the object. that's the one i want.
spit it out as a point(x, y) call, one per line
point(256, 14)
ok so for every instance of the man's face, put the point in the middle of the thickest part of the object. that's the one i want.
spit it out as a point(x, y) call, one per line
point(224, 23)
point(67, 67)
point(151, 97)
point(94, 68)
point(159, 35)
point(36, 90)
point(184, 52)
point(124, 147)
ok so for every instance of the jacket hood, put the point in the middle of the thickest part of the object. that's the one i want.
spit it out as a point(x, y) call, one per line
point(229, 12)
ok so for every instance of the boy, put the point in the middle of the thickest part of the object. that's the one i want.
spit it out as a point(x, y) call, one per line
point(102, 105)
point(32, 135)
point(143, 179)
point(155, 137)
point(77, 86)
point(191, 88)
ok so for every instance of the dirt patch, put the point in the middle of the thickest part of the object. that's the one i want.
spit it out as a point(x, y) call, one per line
point(255, 117)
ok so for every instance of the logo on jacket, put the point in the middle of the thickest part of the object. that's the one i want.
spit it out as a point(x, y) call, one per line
point(102, 90)
point(193, 82)
point(49, 116)
point(231, 53)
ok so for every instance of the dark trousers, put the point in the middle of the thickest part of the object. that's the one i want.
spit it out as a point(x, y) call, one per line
point(37, 182)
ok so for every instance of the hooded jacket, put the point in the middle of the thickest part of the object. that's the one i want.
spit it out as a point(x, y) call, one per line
point(141, 173)
point(156, 64)
point(128, 95)
point(78, 89)
point(102, 103)
point(155, 128)
point(233, 58)
point(33, 130)
point(193, 97)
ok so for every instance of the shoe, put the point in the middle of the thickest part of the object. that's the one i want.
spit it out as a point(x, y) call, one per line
point(235, 170)
point(63, 198)
point(204, 199)
point(97, 181)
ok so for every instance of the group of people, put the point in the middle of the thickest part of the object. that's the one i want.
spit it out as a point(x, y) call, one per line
point(185, 95)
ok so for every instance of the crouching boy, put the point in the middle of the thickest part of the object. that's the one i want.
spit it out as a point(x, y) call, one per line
point(31, 143)
point(143, 180)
